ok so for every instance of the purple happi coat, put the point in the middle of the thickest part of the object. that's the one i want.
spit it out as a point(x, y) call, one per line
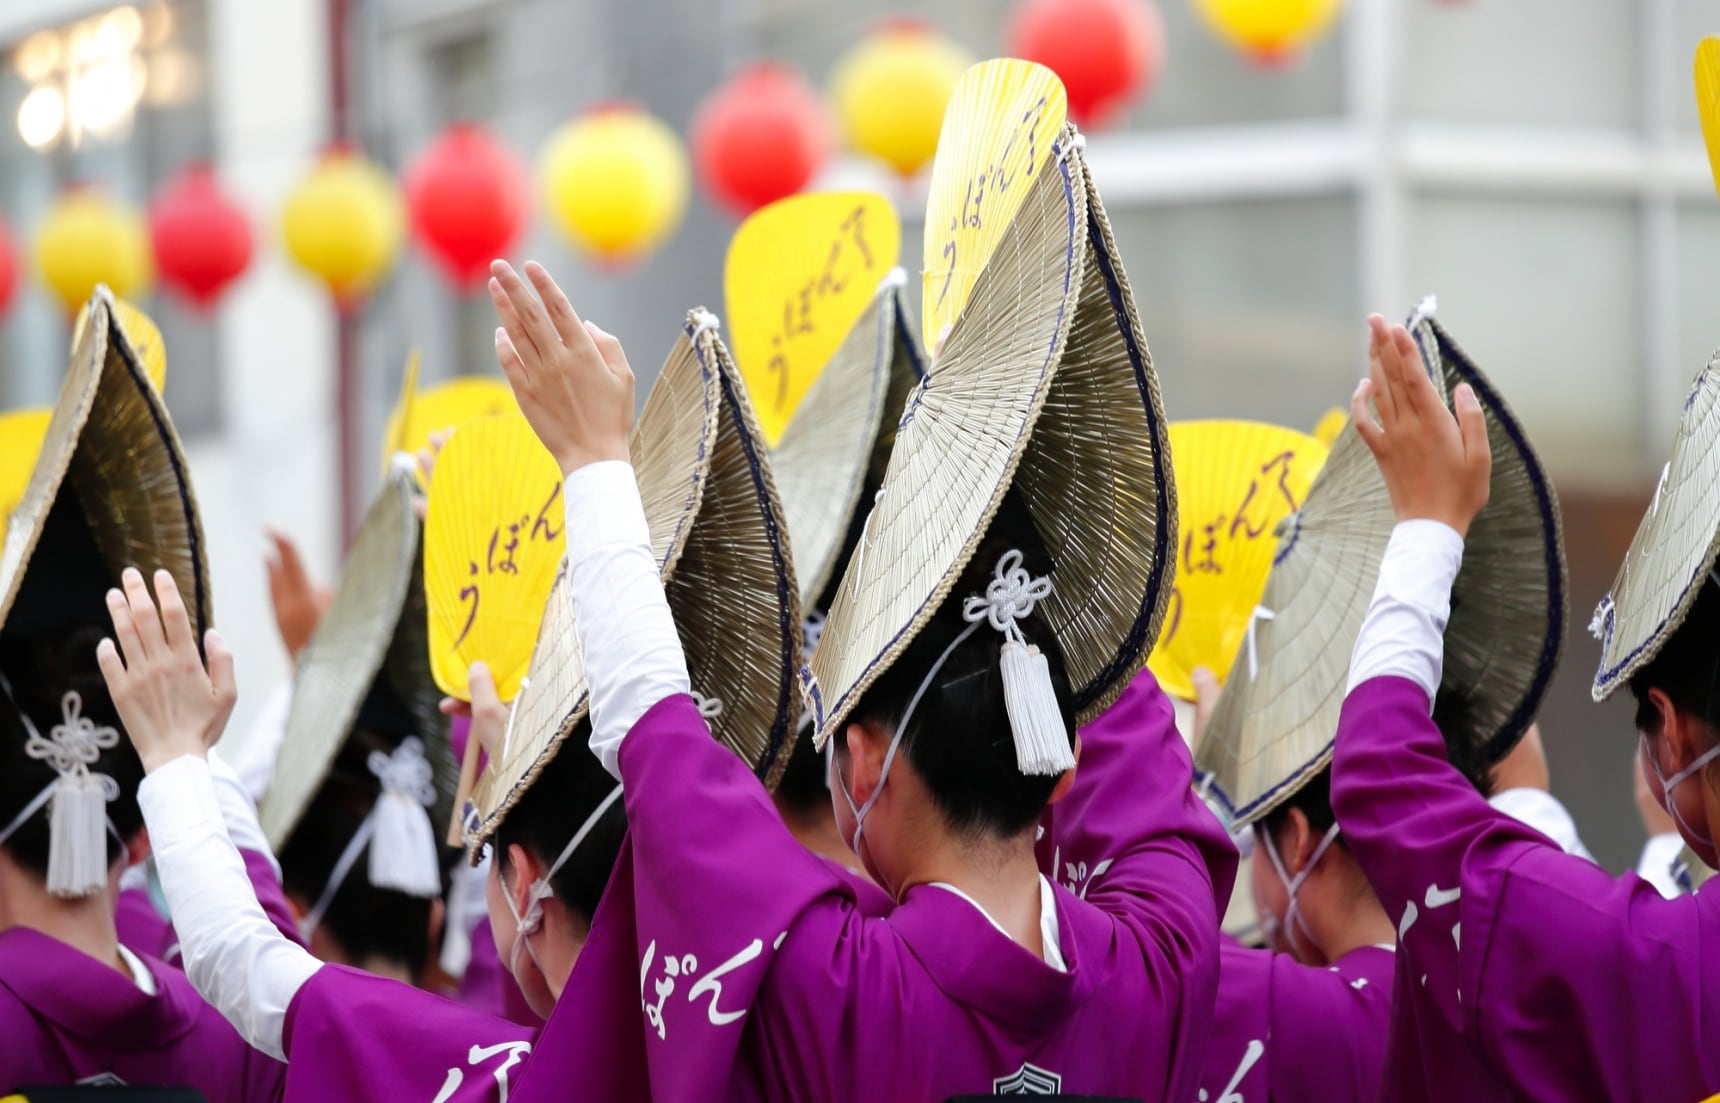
point(727, 962)
point(144, 930)
point(1522, 972)
point(1294, 1033)
point(352, 1036)
point(66, 1018)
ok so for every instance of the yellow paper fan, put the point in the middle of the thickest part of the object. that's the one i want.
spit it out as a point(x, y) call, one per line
point(998, 131)
point(1708, 100)
point(1331, 423)
point(799, 274)
point(447, 405)
point(493, 542)
point(145, 337)
point(1236, 480)
point(21, 436)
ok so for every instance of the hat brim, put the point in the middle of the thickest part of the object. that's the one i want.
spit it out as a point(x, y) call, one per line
point(111, 441)
point(1044, 385)
point(1674, 548)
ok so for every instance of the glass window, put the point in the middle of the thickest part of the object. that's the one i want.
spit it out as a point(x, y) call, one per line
point(1543, 62)
point(1251, 309)
point(1544, 294)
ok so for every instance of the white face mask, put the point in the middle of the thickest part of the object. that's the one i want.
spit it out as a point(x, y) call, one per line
point(1668, 784)
point(1292, 923)
point(529, 923)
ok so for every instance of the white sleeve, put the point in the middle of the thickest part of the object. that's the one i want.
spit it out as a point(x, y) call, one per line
point(1655, 865)
point(1546, 814)
point(233, 955)
point(632, 652)
point(238, 812)
point(1404, 632)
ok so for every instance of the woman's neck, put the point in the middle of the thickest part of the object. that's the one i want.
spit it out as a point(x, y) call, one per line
point(815, 829)
point(1359, 922)
point(86, 924)
point(1001, 876)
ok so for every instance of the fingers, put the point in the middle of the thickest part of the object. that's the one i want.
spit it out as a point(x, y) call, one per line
point(1422, 395)
point(1393, 369)
point(482, 686)
point(220, 668)
point(292, 566)
point(1363, 418)
point(609, 347)
point(1378, 340)
point(514, 328)
point(508, 357)
point(151, 641)
point(561, 313)
point(112, 666)
point(1472, 424)
point(453, 706)
point(529, 312)
point(175, 622)
point(124, 628)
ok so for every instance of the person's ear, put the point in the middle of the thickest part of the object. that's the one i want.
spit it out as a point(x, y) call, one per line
point(866, 750)
point(526, 871)
point(1663, 713)
point(1067, 781)
point(1299, 841)
point(137, 849)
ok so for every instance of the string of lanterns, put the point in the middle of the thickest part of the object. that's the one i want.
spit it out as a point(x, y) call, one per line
point(615, 180)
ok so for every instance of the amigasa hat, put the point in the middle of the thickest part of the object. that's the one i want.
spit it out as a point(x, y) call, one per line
point(1044, 387)
point(713, 514)
point(1272, 731)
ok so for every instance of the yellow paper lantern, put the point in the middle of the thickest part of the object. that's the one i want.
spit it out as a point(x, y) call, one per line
point(344, 224)
point(891, 89)
point(1269, 30)
point(616, 181)
point(87, 239)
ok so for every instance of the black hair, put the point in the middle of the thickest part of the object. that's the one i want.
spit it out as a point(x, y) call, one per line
point(48, 649)
point(802, 786)
point(41, 669)
point(573, 783)
point(1314, 798)
point(959, 738)
point(367, 922)
point(1687, 669)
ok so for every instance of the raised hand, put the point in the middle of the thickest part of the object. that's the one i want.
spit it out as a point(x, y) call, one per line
point(298, 602)
point(1436, 465)
point(571, 379)
point(170, 703)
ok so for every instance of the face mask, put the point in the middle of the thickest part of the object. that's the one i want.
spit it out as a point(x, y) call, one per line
point(529, 923)
point(1668, 784)
point(1292, 923)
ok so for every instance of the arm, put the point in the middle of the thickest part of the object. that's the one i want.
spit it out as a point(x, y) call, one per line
point(233, 952)
point(1132, 839)
point(627, 636)
point(239, 816)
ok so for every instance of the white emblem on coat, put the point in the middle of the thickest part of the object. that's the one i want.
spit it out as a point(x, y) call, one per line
point(683, 967)
point(1250, 1057)
point(101, 1080)
point(514, 1052)
point(1028, 1080)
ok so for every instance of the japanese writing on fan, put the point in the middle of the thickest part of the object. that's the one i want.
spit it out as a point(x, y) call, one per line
point(993, 177)
point(849, 256)
point(508, 542)
point(1205, 543)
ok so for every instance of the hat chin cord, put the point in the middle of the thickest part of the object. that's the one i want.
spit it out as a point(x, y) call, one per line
point(530, 921)
point(1035, 720)
point(1293, 921)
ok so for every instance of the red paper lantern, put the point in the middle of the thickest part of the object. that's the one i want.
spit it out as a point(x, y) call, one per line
point(468, 199)
point(1106, 52)
point(202, 238)
point(8, 266)
point(761, 136)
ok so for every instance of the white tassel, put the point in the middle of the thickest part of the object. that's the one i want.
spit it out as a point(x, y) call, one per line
point(1424, 310)
point(403, 851)
point(403, 463)
point(703, 322)
point(711, 708)
point(78, 825)
point(1598, 622)
point(1041, 738)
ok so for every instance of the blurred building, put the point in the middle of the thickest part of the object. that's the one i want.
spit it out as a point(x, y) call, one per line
point(1537, 164)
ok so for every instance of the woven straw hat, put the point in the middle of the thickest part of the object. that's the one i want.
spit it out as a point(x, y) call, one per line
point(1043, 384)
point(111, 441)
point(1673, 550)
point(840, 437)
point(1269, 734)
point(373, 629)
point(714, 515)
